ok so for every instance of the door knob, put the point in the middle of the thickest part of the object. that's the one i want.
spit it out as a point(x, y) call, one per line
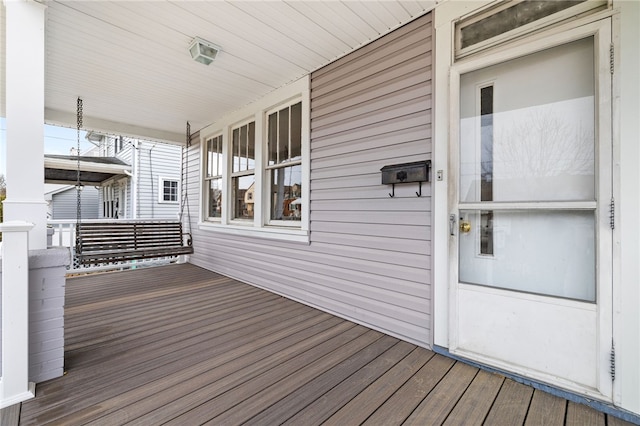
point(465, 226)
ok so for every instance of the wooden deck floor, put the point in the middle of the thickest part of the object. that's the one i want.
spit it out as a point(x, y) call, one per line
point(180, 345)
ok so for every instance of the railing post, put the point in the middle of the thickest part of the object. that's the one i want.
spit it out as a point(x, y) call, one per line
point(15, 386)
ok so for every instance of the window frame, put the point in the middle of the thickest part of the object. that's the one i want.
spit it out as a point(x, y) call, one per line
point(281, 165)
point(557, 18)
point(231, 175)
point(161, 181)
point(206, 178)
point(261, 226)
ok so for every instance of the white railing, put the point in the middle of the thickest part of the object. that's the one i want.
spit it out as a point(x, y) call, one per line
point(64, 232)
point(64, 235)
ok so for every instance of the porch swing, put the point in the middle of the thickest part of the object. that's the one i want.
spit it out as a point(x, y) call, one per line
point(121, 241)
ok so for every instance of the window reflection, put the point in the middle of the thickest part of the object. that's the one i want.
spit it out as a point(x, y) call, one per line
point(243, 196)
point(215, 198)
point(286, 193)
point(213, 178)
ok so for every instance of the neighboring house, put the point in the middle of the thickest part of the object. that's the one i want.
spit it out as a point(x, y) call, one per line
point(151, 190)
point(135, 179)
point(63, 203)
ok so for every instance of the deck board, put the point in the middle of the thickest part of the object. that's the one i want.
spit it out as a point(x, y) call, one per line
point(511, 405)
point(280, 411)
point(146, 366)
point(474, 405)
point(244, 369)
point(322, 408)
point(581, 415)
point(437, 406)
point(614, 421)
point(175, 371)
point(546, 409)
point(397, 408)
point(279, 383)
point(357, 410)
point(10, 416)
point(181, 345)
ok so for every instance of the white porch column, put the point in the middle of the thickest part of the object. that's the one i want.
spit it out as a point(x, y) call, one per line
point(14, 385)
point(25, 20)
point(627, 315)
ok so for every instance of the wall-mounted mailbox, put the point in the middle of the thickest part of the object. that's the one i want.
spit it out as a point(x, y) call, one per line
point(406, 173)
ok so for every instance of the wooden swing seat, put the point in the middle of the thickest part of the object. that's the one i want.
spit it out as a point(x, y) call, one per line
point(109, 242)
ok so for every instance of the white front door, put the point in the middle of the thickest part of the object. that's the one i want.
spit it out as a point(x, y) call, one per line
point(531, 240)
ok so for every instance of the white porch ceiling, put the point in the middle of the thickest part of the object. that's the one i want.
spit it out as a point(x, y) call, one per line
point(129, 60)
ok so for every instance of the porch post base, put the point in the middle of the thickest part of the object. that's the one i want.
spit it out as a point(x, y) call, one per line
point(15, 399)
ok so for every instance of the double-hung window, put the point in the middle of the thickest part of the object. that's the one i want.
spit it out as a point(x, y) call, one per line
point(256, 168)
point(213, 177)
point(284, 168)
point(243, 167)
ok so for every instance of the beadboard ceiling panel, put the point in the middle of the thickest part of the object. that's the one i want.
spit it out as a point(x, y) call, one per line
point(129, 60)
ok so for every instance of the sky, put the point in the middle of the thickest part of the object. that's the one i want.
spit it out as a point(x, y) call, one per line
point(57, 140)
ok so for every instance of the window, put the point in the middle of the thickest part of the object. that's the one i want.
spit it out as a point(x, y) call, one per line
point(213, 177)
point(284, 145)
point(112, 198)
point(486, 167)
point(243, 170)
point(256, 168)
point(168, 190)
point(509, 19)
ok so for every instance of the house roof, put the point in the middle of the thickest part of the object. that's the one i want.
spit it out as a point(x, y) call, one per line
point(129, 61)
point(63, 169)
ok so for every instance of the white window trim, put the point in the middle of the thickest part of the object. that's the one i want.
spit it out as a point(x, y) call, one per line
point(260, 226)
point(267, 206)
point(161, 181)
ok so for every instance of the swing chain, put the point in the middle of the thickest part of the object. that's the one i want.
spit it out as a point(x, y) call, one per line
point(184, 159)
point(79, 114)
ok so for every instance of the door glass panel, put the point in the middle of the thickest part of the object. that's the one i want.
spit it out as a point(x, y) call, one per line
point(527, 128)
point(548, 252)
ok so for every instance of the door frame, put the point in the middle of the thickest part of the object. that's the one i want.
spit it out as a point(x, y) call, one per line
point(600, 28)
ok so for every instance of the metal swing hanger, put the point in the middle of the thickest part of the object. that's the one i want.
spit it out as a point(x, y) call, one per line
point(184, 165)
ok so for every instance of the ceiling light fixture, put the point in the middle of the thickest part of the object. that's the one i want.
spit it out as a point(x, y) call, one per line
point(203, 51)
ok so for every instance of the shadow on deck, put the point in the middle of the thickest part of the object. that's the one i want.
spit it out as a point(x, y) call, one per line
point(182, 345)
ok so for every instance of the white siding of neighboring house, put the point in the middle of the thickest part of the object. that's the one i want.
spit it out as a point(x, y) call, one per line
point(156, 160)
point(149, 161)
point(369, 259)
point(126, 154)
point(64, 204)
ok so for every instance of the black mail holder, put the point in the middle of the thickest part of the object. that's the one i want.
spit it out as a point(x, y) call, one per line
point(406, 173)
